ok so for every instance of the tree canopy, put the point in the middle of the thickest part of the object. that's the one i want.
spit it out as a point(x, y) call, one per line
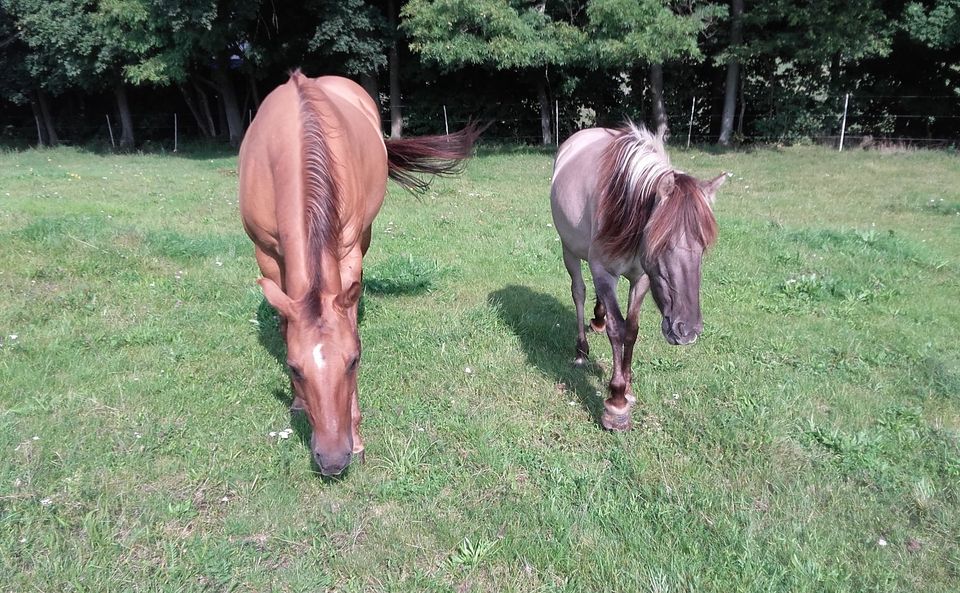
point(782, 75)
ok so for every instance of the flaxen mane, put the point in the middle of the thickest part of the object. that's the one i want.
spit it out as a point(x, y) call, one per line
point(629, 216)
point(320, 187)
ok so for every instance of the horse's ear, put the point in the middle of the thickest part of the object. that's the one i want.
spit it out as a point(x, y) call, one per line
point(666, 186)
point(349, 297)
point(276, 297)
point(710, 187)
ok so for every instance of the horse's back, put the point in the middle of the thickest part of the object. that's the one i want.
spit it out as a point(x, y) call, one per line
point(574, 187)
point(271, 158)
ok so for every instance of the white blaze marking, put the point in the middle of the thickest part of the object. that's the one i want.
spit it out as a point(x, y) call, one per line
point(318, 356)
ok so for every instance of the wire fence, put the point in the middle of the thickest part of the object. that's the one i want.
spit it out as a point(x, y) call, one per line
point(864, 125)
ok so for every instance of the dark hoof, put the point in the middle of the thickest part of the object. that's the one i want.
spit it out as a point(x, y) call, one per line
point(598, 327)
point(616, 422)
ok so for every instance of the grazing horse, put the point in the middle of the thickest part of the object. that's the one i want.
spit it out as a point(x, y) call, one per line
point(620, 206)
point(313, 173)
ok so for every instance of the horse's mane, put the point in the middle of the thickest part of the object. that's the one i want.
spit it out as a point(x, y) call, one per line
point(629, 216)
point(320, 187)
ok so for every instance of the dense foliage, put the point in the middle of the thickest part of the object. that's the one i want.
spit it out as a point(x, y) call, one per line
point(783, 66)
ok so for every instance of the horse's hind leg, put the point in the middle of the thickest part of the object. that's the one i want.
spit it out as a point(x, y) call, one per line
point(579, 291)
point(599, 321)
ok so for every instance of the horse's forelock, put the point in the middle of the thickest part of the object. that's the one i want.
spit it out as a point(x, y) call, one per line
point(685, 212)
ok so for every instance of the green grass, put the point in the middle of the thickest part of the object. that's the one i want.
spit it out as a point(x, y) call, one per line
point(816, 420)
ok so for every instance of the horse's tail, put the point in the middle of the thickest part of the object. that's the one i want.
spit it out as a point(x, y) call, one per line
point(433, 155)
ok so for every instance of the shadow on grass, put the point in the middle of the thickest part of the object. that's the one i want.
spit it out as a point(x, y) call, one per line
point(400, 275)
point(534, 316)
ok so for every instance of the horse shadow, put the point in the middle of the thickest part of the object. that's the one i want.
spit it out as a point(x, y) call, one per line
point(534, 317)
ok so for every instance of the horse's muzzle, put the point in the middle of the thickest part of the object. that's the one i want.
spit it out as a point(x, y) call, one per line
point(332, 465)
point(679, 333)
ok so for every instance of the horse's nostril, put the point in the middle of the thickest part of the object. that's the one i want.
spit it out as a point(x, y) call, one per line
point(332, 465)
point(680, 329)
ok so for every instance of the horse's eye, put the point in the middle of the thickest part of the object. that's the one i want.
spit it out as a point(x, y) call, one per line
point(295, 373)
point(353, 364)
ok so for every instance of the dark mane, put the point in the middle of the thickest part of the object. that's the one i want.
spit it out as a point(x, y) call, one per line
point(684, 211)
point(629, 215)
point(320, 188)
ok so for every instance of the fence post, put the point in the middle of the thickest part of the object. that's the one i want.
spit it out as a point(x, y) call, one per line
point(690, 126)
point(174, 132)
point(843, 126)
point(110, 128)
point(446, 125)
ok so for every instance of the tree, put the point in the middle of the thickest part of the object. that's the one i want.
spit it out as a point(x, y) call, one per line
point(508, 35)
point(356, 38)
point(624, 33)
point(733, 72)
point(804, 54)
point(938, 27)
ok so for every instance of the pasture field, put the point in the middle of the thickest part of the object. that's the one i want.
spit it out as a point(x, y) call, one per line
point(808, 442)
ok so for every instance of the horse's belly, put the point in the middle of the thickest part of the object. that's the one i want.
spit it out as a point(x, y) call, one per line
point(574, 224)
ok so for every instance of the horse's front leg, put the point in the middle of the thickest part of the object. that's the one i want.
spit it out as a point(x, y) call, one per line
point(616, 414)
point(355, 417)
point(638, 290)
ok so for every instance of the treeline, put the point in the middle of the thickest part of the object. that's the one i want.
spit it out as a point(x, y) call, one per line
point(773, 70)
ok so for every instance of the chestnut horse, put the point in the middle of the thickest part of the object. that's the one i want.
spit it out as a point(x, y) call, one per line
point(620, 206)
point(313, 173)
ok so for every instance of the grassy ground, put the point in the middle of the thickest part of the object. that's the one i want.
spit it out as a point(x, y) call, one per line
point(808, 441)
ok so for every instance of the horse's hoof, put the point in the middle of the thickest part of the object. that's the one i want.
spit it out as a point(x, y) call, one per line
point(616, 421)
point(598, 327)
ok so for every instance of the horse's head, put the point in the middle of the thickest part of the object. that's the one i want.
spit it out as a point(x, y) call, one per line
point(323, 356)
point(681, 227)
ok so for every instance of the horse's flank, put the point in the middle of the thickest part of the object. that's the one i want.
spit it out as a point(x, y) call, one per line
point(634, 168)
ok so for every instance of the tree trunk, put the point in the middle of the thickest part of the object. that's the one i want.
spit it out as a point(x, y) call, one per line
point(396, 117)
point(231, 109)
point(205, 105)
point(659, 111)
point(253, 92)
point(369, 84)
point(733, 73)
point(544, 111)
point(126, 120)
point(47, 119)
point(743, 108)
point(192, 106)
point(38, 117)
